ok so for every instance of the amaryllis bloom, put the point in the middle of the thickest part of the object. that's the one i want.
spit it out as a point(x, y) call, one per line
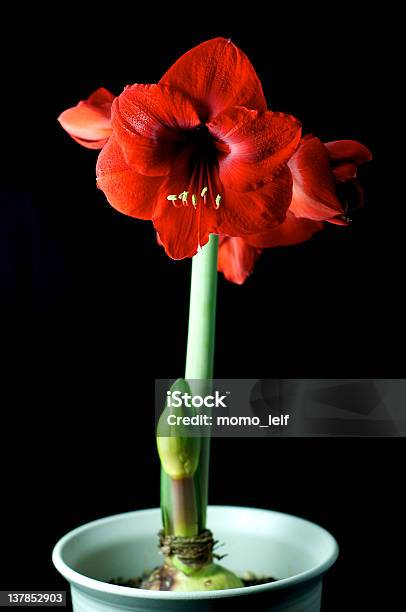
point(199, 153)
point(321, 174)
point(89, 122)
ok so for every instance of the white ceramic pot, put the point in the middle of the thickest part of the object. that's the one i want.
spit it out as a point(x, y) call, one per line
point(268, 543)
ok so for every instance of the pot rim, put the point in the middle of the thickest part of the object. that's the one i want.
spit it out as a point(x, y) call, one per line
point(97, 585)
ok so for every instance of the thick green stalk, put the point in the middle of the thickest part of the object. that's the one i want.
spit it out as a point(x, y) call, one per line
point(202, 313)
point(200, 351)
point(184, 501)
point(185, 460)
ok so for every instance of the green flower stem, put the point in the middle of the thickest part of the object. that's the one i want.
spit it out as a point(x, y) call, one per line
point(184, 502)
point(202, 313)
point(200, 351)
point(184, 487)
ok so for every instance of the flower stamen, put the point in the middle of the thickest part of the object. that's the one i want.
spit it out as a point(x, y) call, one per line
point(183, 196)
point(203, 194)
point(173, 198)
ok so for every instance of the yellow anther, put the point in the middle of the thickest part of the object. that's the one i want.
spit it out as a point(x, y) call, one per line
point(204, 191)
point(218, 200)
point(183, 196)
point(194, 200)
point(172, 198)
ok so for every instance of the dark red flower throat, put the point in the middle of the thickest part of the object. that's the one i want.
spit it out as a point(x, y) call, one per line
point(202, 153)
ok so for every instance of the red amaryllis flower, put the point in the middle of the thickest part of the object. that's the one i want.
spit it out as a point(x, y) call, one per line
point(89, 122)
point(319, 172)
point(198, 153)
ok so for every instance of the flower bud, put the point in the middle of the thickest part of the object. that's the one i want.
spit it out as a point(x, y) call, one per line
point(178, 451)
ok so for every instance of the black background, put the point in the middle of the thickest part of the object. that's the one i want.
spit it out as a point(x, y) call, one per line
point(93, 311)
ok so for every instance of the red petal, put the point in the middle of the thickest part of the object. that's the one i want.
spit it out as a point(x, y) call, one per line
point(129, 192)
point(179, 231)
point(314, 188)
point(159, 241)
point(182, 229)
point(100, 97)
point(90, 144)
point(291, 231)
point(259, 144)
point(345, 172)
point(89, 122)
point(149, 122)
point(349, 150)
point(255, 211)
point(236, 259)
point(216, 75)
